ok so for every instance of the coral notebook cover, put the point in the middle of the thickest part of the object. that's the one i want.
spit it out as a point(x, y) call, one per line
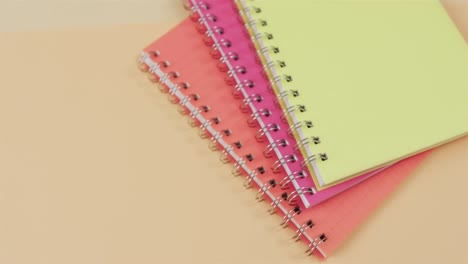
point(223, 30)
point(180, 62)
point(379, 80)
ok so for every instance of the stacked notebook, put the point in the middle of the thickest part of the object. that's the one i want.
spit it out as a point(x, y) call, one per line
point(324, 107)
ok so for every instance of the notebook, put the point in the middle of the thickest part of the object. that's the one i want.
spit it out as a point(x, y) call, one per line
point(179, 61)
point(219, 24)
point(376, 81)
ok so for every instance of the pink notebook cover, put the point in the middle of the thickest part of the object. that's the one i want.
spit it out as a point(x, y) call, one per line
point(180, 62)
point(224, 30)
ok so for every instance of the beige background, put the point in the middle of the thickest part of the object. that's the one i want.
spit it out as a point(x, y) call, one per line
point(96, 166)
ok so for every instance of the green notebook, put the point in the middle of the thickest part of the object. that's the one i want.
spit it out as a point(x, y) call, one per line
point(365, 83)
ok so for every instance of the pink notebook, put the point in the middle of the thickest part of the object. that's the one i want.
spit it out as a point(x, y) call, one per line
point(180, 61)
point(224, 30)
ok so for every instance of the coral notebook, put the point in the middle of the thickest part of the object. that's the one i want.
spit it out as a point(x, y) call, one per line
point(232, 46)
point(180, 61)
point(377, 81)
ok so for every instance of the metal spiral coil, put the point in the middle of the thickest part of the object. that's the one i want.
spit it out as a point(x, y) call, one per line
point(249, 100)
point(218, 30)
point(270, 65)
point(220, 50)
point(262, 35)
point(224, 42)
point(202, 4)
point(164, 64)
point(264, 188)
point(270, 147)
point(292, 108)
point(316, 243)
point(183, 85)
point(267, 49)
point(300, 191)
point(237, 93)
point(192, 120)
point(250, 9)
point(277, 201)
point(250, 177)
point(284, 183)
point(213, 145)
point(282, 95)
point(203, 126)
point(309, 160)
point(278, 63)
point(159, 79)
point(225, 154)
point(290, 215)
point(296, 126)
point(236, 170)
point(287, 78)
point(183, 102)
point(229, 56)
point(237, 69)
point(301, 230)
point(281, 161)
point(211, 17)
point(192, 114)
point(252, 120)
point(262, 131)
point(306, 141)
point(256, 22)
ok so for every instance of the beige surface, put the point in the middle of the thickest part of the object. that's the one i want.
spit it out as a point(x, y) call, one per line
point(45, 14)
point(458, 9)
point(95, 168)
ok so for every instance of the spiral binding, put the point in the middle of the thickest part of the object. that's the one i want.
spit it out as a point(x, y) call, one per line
point(249, 179)
point(300, 191)
point(249, 100)
point(321, 156)
point(204, 126)
point(316, 243)
point(305, 141)
point(252, 121)
point(280, 162)
point(263, 130)
point(264, 188)
point(283, 197)
point(301, 230)
point(291, 109)
point(290, 215)
point(237, 93)
point(296, 126)
point(198, 16)
point(264, 36)
point(284, 183)
point(277, 143)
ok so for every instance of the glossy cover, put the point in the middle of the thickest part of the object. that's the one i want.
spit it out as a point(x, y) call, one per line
point(377, 81)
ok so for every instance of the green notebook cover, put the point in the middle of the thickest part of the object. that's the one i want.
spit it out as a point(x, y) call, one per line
point(378, 80)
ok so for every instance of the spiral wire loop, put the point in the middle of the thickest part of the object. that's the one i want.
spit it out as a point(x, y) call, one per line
point(301, 191)
point(276, 144)
point(218, 45)
point(301, 230)
point(277, 201)
point(203, 126)
point(316, 243)
point(284, 183)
